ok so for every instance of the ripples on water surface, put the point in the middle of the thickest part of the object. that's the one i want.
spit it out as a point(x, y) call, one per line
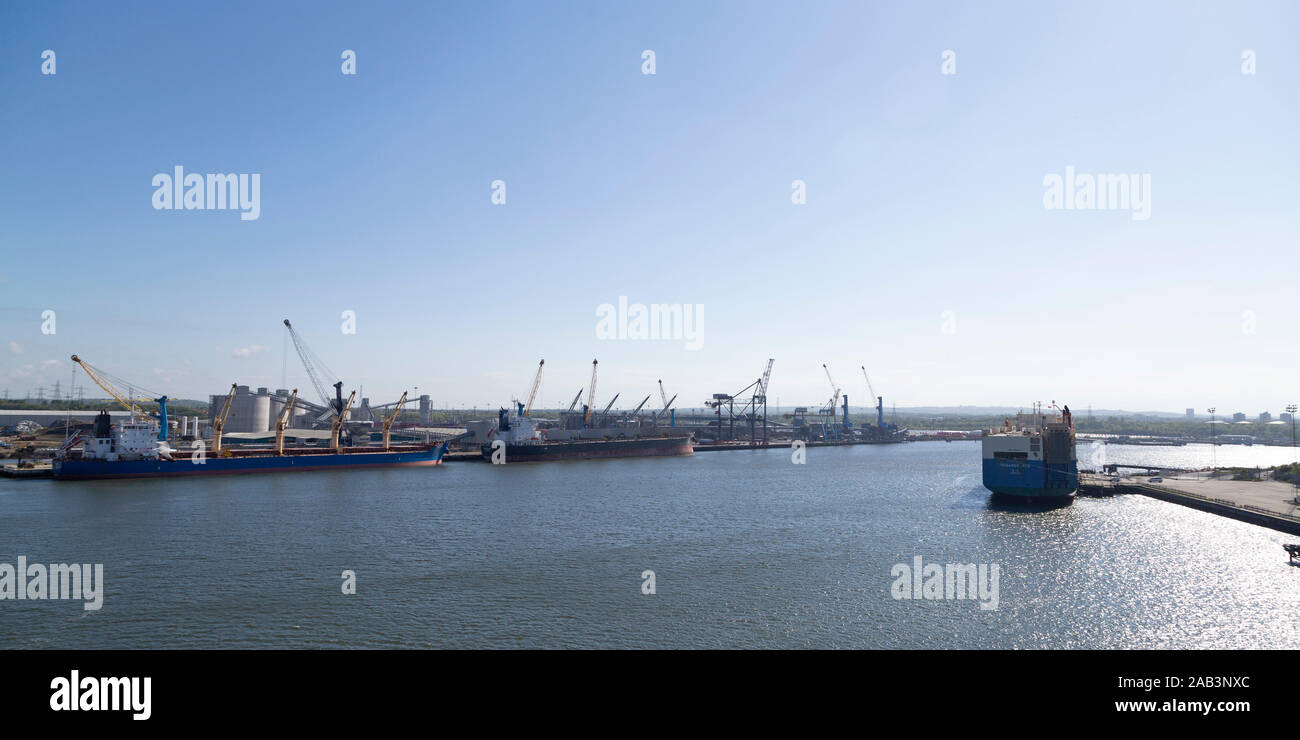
point(748, 550)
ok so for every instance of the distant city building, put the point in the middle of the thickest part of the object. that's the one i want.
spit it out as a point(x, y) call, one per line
point(1265, 417)
point(1286, 416)
point(1191, 413)
point(1238, 417)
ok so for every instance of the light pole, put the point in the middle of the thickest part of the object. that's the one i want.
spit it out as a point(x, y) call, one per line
point(1291, 410)
point(1213, 453)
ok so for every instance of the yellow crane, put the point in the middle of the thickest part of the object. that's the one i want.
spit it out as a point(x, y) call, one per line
point(338, 421)
point(219, 423)
point(537, 383)
point(388, 423)
point(283, 421)
point(591, 396)
point(127, 402)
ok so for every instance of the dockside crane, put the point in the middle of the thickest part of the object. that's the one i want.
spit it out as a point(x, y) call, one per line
point(767, 376)
point(835, 398)
point(761, 396)
point(219, 423)
point(828, 413)
point(310, 362)
point(282, 421)
point(388, 423)
point(880, 401)
point(537, 383)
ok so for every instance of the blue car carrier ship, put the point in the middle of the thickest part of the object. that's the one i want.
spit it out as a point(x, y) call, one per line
point(1032, 457)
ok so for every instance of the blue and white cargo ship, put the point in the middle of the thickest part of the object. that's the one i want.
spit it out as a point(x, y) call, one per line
point(133, 449)
point(1032, 456)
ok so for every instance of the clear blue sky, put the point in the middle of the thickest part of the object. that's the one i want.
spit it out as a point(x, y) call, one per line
point(924, 195)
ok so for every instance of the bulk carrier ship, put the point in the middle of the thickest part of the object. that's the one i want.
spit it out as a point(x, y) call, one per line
point(1032, 458)
point(132, 449)
point(520, 440)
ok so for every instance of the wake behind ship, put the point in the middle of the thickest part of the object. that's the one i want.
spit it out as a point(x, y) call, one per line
point(1032, 458)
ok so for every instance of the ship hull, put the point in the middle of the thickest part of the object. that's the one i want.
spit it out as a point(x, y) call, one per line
point(103, 469)
point(1030, 479)
point(593, 450)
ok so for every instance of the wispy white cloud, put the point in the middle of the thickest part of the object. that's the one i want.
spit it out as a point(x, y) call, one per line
point(251, 350)
point(16, 348)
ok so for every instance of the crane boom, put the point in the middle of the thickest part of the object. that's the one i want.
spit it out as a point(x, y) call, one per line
point(637, 410)
point(600, 419)
point(127, 402)
point(537, 383)
point(575, 401)
point(219, 423)
point(282, 421)
point(309, 363)
point(767, 375)
point(388, 423)
point(835, 399)
point(665, 408)
point(868, 379)
point(338, 422)
point(663, 395)
point(591, 395)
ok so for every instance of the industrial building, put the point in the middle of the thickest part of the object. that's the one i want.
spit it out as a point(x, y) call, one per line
point(257, 411)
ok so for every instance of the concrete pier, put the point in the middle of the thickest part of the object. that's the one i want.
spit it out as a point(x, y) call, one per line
point(1267, 503)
